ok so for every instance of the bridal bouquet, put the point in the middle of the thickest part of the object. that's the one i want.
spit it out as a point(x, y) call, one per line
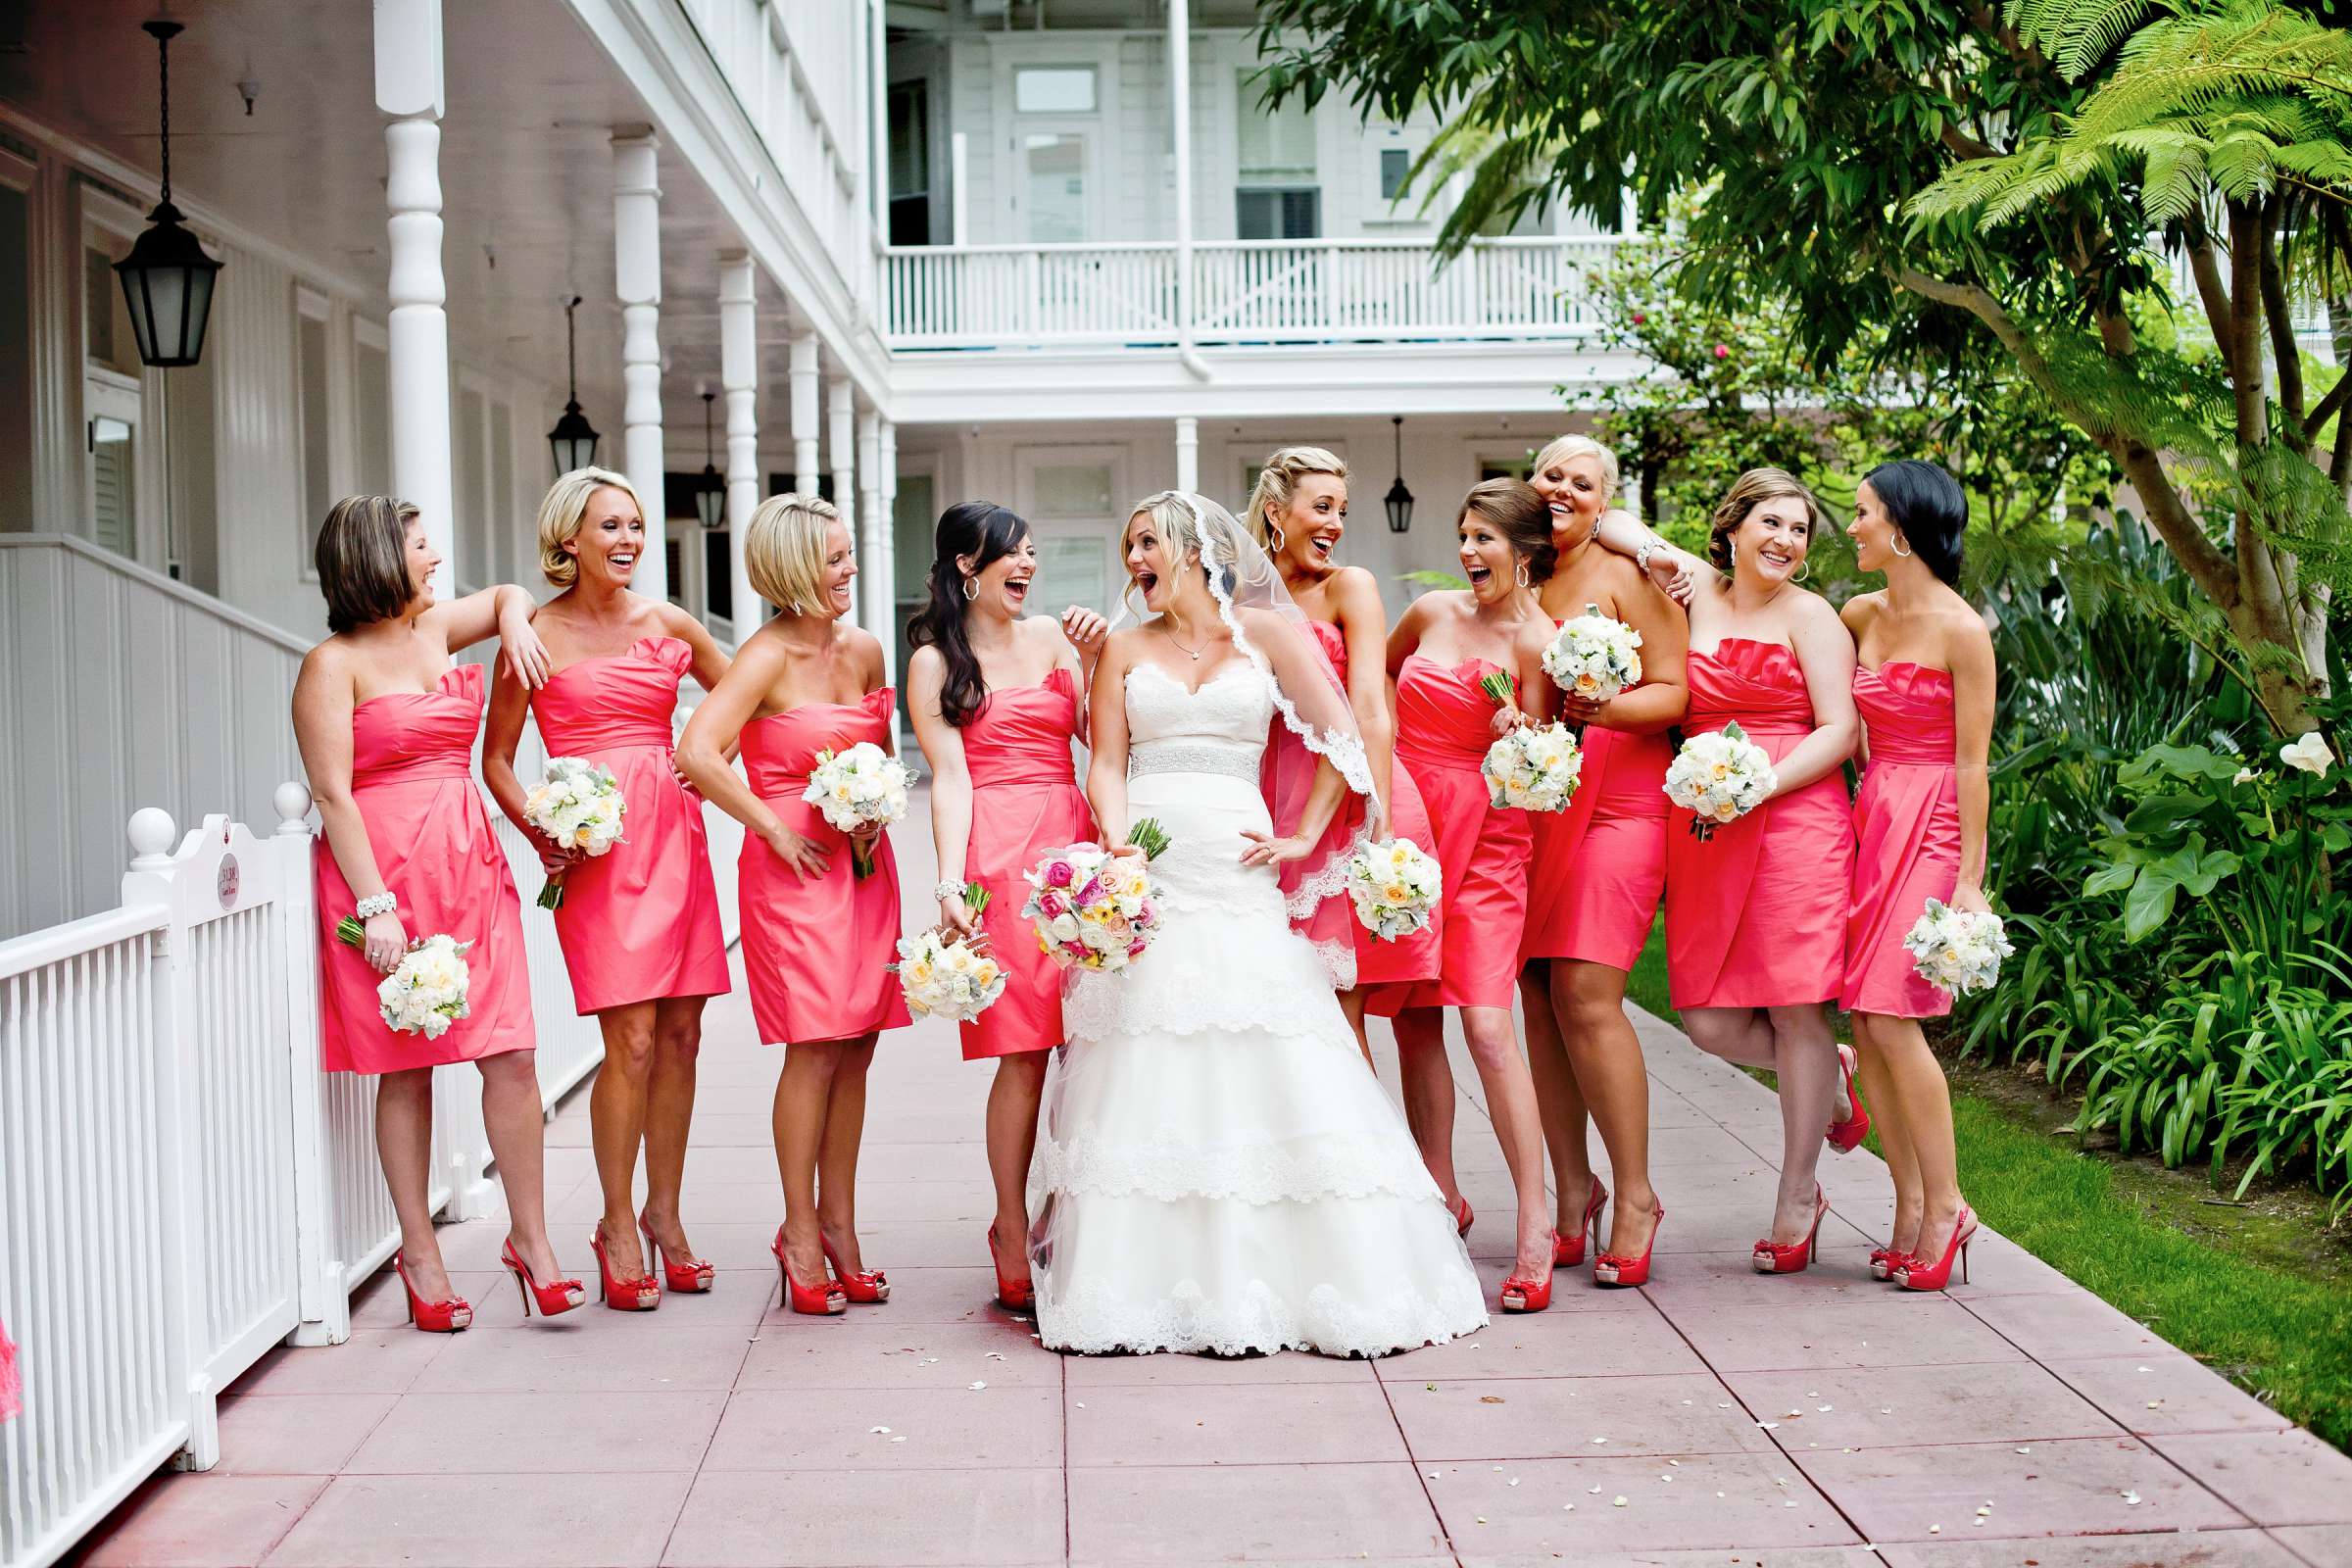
point(1394, 886)
point(1956, 950)
point(578, 807)
point(1719, 776)
point(949, 978)
point(860, 788)
point(1593, 656)
point(426, 993)
point(1533, 768)
point(1094, 910)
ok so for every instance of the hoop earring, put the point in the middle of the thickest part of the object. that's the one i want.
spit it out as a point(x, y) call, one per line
point(1900, 549)
point(1804, 569)
point(1520, 575)
point(971, 589)
point(1280, 539)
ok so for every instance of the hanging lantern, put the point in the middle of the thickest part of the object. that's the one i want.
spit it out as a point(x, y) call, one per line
point(1399, 500)
point(710, 491)
point(166, 278)
point(574, 439)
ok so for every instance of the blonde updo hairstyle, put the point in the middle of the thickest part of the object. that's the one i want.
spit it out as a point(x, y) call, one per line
point(784, 550)
point(562, 510)
point(1567, 446)
point(1750, 490)
point(1278, 482)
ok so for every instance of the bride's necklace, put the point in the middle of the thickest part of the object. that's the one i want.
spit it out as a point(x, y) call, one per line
point(1193, 652)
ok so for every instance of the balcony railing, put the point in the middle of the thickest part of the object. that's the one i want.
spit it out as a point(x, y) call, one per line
point(1244, 292)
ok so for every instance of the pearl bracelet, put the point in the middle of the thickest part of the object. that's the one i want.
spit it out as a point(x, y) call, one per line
point(381, 904)
point(945, 891)
point(1649, 548)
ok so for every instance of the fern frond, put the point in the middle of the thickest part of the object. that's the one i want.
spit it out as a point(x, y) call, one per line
point(2077, 34)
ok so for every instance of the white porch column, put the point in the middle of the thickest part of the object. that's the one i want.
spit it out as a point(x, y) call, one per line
point(1187, 452)
point(637, 281)
point(739, 374)
point(1180, 129)
point(841, 437)
point(805, 469)
point(409, 88)
point(878, 123)
point(875, 599)
point(887, 481)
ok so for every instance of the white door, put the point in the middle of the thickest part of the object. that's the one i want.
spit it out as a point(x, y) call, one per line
point(1054, 182)
point(1074, 499)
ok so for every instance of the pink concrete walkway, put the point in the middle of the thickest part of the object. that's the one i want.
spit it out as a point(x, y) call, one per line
point(1716, 1417)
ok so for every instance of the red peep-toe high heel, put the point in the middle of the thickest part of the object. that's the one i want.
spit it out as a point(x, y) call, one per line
point(640, 1295)
point(556, 1296)
point(1531, 1296)
point(1918, 1274)
point(1846, 1133)
point(1615, 1269)
point(1771, 1257)
point(1569, 1251)
point(869, 1287)
point(432, 1317)
point(1015, 1295)
point(690, 1278)
point(822, 1299)
point(1885, 1262)
point(1463, 1217)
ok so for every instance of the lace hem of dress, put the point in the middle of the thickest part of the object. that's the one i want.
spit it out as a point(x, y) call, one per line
point(1257, 1319)
point(1198, 1001)
point(1172, 1169)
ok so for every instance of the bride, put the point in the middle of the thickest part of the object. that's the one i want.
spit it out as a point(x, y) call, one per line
point(1216, 1170)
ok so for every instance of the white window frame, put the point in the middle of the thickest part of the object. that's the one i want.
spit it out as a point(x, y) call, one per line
point(120, 222)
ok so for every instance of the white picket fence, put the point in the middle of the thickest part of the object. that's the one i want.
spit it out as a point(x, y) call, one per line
point(181, 1187)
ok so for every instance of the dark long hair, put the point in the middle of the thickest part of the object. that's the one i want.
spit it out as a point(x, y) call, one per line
point(1930, 509)
point(986, 532)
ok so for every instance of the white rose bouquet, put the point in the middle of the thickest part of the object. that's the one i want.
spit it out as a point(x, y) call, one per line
point(577, 806)
point(1394, 885)
point(1593, 656)
point(1534, 769)
point(426, 993)
point(1094, 910)
point(946, 977)
point(1719, 777)
point(1957, 951)
point(860, 788)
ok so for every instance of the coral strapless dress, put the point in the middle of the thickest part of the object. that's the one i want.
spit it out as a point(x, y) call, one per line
point(814, 948)
point(411, 777)
point(1408, 960)
point(640, 921)
point(1600, 866)
point(1025, 802)
point(1756, 915)
point(1907, 817)
point(1441, 737)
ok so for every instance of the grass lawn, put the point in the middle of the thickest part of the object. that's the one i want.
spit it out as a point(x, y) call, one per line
point(2266, 1301)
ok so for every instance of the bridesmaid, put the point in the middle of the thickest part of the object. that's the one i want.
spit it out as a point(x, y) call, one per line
point(639, 924)
point(386, 724)
point(1446, 643)
point(1298, 511)
point(1925, 684)
point(1599, 873)
point(1756, 915)
point(996, 699)
point(816, 936)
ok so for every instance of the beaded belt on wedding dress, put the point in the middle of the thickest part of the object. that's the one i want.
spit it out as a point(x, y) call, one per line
point(1194, 756)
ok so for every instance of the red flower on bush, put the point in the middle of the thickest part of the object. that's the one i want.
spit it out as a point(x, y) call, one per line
point(1722, 353)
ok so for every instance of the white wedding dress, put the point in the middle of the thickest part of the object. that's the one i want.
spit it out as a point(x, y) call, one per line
point(1216, 1169)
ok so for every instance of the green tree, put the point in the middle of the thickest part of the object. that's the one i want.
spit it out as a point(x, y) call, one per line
point(1966, 191)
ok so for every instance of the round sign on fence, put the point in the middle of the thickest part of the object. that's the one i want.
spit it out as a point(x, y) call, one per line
point(226, 884)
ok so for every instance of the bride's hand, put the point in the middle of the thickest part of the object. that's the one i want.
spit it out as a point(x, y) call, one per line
point(1268, 850)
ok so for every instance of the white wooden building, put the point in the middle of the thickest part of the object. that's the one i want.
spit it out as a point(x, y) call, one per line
point(916, 250)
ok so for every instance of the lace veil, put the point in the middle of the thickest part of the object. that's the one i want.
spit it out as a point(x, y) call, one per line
point(1313, 720)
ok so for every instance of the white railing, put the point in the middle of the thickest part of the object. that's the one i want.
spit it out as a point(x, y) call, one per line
point(1244, 291)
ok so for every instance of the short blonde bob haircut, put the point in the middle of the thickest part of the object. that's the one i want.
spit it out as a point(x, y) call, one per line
point(562, 510)
point(1566, 447)
point(784, 550)
point(1278, 482)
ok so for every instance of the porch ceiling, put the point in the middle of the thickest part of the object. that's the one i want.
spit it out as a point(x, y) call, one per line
point(526, 165)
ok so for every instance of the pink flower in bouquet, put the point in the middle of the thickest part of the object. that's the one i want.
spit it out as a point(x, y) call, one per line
point(1051, 905)
point(1060, 874)
point(1090, 892)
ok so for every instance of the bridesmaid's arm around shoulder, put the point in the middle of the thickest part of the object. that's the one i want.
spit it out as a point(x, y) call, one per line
point(325, 697)
point(504, 611)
